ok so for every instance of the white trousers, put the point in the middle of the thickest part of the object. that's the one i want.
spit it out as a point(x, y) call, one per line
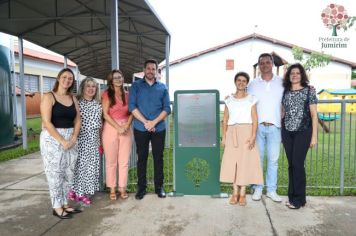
point(58, 165)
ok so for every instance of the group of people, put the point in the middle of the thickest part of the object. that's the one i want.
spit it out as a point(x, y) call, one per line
point(75, 128)
point(257, 118)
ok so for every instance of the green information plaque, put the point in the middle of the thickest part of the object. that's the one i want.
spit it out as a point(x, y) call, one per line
point(196, 142)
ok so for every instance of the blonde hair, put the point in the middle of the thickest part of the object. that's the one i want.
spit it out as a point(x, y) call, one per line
point(82, 86)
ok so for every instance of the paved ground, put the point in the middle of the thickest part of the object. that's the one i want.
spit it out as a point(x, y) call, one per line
point(25, 210)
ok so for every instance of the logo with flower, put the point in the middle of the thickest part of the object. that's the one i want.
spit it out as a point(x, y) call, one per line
point(335, 17)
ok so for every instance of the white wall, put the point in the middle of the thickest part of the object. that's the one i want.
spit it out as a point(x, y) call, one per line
point(209, 71)
point(333, 76)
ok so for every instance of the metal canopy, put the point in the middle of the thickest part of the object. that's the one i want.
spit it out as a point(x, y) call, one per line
point(80, 30)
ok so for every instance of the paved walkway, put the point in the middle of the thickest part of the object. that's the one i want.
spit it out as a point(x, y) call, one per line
point(25, 210)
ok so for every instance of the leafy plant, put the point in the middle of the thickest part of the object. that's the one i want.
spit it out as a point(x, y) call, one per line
point(314, 60)
point(350, 23)
point(198, 171)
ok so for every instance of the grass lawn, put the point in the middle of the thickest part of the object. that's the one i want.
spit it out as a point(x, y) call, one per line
point(34, 129)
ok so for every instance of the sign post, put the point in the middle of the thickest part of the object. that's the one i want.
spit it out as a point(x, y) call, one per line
point(196, 143)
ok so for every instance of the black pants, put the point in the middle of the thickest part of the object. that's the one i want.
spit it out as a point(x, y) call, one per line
point(142, 140)
point(296, 145)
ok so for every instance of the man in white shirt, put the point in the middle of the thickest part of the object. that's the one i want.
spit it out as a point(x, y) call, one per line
point(268, 89)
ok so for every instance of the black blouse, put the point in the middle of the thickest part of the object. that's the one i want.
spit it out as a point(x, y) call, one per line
point(296, 106)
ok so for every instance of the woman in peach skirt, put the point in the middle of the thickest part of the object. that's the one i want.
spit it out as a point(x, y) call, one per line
point(240, 164)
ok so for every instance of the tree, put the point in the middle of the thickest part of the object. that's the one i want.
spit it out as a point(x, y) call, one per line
point(350, 22)
point(335, 17)
point(353, 78)
point(314, 60)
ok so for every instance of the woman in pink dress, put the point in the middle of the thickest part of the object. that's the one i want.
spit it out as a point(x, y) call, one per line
point(117, 133)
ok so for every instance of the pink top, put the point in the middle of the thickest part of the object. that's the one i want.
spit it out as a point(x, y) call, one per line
point(118, 111)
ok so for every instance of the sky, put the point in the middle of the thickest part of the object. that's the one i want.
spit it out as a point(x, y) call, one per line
point(196, 25)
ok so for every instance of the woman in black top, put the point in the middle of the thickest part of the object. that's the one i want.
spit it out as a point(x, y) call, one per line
point(60, 129)
point(299, 130)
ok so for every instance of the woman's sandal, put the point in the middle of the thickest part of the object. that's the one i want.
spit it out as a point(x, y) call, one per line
point(124, 195)
point(234, 199)
point(86, 200)
point(291, 206)
point(242, 200)
point(112, 196)
point(72, 210)
point(62, 216)
point(72, 196)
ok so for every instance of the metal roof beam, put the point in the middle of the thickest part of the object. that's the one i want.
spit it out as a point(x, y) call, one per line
point(135, 6)
point(92, 11)
point(73, 36)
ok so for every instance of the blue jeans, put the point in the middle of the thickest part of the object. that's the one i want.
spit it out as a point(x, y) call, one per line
point(269, 140)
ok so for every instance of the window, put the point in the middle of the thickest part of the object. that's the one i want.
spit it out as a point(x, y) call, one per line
point(76, 86)
point(48, 83)
point(31, 82)
point(103, 86)
point(229, 64)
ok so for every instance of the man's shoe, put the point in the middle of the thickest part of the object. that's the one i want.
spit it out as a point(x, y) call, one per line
point(257, 194)
point(140, 194)
point(274, 196)
point(160, 193)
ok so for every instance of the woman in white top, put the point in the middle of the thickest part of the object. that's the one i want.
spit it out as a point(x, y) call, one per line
point(240, 164)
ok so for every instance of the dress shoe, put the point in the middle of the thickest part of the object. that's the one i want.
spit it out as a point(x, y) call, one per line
point(140, 194)
point(61, 216)
point(160, 193)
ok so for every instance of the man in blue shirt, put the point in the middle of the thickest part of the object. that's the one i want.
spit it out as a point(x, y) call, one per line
point(150, 105)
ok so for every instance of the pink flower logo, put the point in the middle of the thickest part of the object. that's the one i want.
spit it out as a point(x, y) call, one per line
point(334, 17)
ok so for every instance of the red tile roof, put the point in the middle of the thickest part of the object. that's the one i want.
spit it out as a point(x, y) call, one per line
point(44, 56)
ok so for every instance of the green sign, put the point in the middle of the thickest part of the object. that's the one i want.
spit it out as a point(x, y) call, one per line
point(196, 143)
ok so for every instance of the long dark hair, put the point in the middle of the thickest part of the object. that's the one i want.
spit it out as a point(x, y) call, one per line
point(304, 78)
point(55, 87)
point(111, 89)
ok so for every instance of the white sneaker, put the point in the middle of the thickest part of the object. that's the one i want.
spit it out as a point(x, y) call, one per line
point(274, 196)
point(257, 194)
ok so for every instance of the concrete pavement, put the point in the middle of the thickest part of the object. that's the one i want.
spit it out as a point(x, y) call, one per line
point(25, 210)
